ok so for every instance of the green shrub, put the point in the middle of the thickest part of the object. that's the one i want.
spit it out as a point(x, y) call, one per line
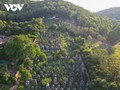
point(71, 61)
point(46, 81)
point(21, 87)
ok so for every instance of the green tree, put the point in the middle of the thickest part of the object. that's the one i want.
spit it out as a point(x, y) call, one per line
point(53, 27)
point(21, 87)
point(25, 74)
point(45, 81)
point(21, 47)
point(114, 36)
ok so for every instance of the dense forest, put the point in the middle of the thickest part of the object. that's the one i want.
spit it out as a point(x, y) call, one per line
point(56, 45)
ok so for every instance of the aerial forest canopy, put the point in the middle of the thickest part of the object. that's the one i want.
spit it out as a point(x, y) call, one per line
point(55, 44)
point(32, 27)
point(81, 18)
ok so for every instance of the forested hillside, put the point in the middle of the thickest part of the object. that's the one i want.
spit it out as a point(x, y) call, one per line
point(54, 44)
point(65, 11)
point(113, 13)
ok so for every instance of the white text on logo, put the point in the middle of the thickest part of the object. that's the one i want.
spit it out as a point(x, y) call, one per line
point(14, 7)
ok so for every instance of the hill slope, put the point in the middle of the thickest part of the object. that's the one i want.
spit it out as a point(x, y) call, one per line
point(65, 11)
point(57, 45)
point(113, 13)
